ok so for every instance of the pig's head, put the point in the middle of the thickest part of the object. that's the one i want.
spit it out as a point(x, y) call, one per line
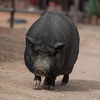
point(43, 56)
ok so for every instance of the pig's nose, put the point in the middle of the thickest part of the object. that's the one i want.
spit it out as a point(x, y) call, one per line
point(40, 72)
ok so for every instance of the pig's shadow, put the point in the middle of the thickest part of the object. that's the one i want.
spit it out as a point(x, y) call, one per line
point(78, 85)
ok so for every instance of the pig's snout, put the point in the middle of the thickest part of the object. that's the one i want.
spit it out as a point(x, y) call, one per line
point(40, 72)
point(42, 65)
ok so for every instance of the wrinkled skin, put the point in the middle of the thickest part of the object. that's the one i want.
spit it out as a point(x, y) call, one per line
point(52, 47)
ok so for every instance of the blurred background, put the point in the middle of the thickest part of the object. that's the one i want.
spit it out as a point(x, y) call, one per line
point(81, 11)
point(16, 16)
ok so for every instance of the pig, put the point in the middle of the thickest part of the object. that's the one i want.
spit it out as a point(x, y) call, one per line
point(52, 47)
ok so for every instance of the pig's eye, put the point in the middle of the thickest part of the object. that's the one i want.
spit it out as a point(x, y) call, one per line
point(36, 50)
point(58, 50)
point(52, 51)
point(35, 53)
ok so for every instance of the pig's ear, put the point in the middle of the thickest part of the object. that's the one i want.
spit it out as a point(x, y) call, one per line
point(58, 45)
point(30, 39)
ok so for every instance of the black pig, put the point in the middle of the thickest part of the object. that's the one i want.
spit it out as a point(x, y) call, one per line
point(52, 47)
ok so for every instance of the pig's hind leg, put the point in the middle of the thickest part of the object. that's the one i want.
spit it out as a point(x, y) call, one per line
point(65, 79)
point(36, 82)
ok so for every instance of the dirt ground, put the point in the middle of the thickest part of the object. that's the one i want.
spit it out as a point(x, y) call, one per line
point(16, 82)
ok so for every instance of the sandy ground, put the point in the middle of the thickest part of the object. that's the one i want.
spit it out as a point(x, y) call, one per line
point(16, 82)
point(30, 18)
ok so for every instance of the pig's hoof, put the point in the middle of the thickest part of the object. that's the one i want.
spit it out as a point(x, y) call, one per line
point(36, 84)
point(48, 87)
point(63, 84)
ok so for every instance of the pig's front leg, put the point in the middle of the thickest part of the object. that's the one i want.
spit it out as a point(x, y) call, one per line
point(36, 82)
point(49, 82)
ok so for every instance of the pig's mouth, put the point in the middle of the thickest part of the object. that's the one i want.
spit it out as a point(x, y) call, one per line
point(40, 72)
